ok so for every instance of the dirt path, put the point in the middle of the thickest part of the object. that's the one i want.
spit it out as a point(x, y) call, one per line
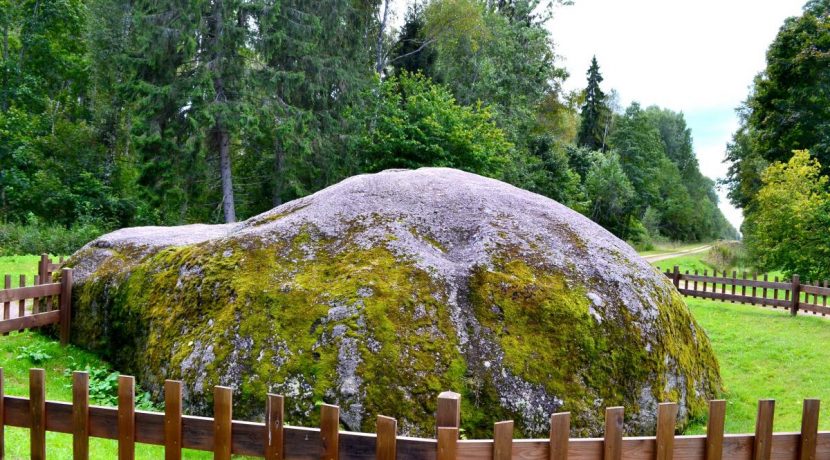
point(668, 255)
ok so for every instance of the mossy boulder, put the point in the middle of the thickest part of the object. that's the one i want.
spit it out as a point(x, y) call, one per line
point(381, 291)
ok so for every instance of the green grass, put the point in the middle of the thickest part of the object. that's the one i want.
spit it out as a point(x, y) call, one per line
point(19, 265)
point(766, 353)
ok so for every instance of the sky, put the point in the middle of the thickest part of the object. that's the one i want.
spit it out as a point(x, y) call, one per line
point(697, 57)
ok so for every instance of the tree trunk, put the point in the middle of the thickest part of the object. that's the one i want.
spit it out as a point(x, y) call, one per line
point(279, 171)
point(223, 142)
point(380, 63)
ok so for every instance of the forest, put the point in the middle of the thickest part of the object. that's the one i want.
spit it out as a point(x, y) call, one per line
point(133, 112)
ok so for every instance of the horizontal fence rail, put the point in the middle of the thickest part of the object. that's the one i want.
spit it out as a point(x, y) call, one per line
point(274, 440)
point(41, 304)
point(792, 295)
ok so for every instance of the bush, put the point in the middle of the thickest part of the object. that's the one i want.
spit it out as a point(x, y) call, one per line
point(37, 238)
point(725, 254)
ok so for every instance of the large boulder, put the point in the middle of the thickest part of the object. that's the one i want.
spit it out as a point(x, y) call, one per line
point(381, 291)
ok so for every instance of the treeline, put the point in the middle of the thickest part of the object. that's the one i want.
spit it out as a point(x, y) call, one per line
point(780, 156)
point(137, 112)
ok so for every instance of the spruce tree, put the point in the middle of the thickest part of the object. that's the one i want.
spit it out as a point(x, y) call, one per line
point(594, 112)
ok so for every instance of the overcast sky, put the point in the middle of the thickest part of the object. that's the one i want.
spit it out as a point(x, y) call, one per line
point(698, 57)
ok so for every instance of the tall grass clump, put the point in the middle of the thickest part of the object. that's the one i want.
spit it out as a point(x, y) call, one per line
point(725, 255)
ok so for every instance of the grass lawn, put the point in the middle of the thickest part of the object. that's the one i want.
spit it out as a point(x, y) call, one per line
point(766, 353)
point(19, 265)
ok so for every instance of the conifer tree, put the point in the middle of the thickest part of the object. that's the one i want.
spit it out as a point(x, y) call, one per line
point(594, 112)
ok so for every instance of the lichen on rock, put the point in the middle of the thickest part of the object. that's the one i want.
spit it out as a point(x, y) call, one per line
point(381, 291)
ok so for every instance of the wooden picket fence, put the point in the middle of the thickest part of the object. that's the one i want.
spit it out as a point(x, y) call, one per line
point(791, 294)
point(274, 440)
point(40, 304)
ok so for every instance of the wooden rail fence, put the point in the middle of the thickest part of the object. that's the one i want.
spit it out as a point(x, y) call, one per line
point(274, 440)
point(40, 304)
point(791, 294)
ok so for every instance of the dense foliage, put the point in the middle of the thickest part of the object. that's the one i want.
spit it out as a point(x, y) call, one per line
point(136, 112)
point(771, 174)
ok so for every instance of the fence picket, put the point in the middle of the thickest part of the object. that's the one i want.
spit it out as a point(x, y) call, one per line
point(2, 418)
point(7, 306)
point(21, 304)
point(172, 420)
point(126, 417)
point(80, 415)
point(666, 421)
point(37, 414)
point(612, 447)
point(447, 443)
point(705, 273)
point(560, 431)
point(734, 276)
point(503, 440)
point(762, 446)
point(329, 431)
point(274, 433)
point(222, 422)
point(764, 292)
point(387, 432)
point(809, 430)
point(714, 429)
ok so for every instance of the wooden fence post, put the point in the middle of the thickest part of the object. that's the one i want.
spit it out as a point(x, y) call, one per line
point(172, 420)
point(503, 440)
point(274, 433)
point(2, 415)
point(560, 433)
point(66, 305)
point(126, 417)
point(387, 432)
point(676, 277)
point(330, 431)
point(714, 429)
point(612, 445)
point(7, 306)
point(80, 415)
point(222, 422)
point(762, 448)
point(37, 413)
point(809, 430)
point(796, 294)
point(447, 423)
point(666, 421)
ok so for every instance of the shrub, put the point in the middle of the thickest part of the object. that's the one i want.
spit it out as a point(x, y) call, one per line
point(725, 254)
point(36, 237)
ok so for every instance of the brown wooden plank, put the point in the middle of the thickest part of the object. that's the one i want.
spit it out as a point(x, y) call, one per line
point(736, 281)
point(775, 291)
point(447, 448)
point(30, 292)
point(65, 305)
point(274, 427)
point(448, 412)
point(7, 306)
point(730, 297)
point(21, 304)
point(330, 432)
point(560, 431)
point(503, 440)
point(705, 277)
point(387, 433)
point(126, 417)
point(809, 430)
point(666, 421)
point(37, 414)
point(795, 296)
point(80, 415)
point(816, 290)
point(733, 281)
point(762, 446)
point(30, 321)
point(695, 279)
point(172, 420)
point(36, 300)
point(714, 429)
point(222, 422)
point(2, 418)
point(612, 447)
point(686, 279)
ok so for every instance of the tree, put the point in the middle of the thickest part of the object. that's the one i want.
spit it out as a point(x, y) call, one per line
point(611, 195)
point(593, 128)
point(788, 229)
point(789, 105)
point(418, 123)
